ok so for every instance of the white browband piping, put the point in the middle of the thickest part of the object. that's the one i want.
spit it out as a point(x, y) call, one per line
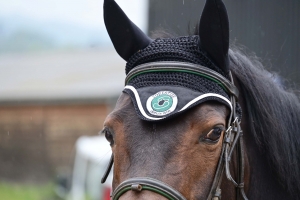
point(138, 101)
point(203, 96)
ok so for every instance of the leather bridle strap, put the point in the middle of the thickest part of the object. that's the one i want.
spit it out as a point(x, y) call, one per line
point(144, 183)
point(232, 140)
point(108, 168)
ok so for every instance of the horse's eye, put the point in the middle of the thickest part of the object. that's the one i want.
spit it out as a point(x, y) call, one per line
point(214, 135)
point(109, 137)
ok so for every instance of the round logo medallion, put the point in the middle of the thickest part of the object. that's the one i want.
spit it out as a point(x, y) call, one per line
point(162, 103)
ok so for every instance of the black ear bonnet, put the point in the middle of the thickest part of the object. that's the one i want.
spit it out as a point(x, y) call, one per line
point(161, 94)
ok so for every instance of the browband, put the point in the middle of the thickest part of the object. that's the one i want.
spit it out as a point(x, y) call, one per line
point(199, 70)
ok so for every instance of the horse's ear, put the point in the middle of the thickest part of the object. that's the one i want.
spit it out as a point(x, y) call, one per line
point(126, 37)
point(214, 33)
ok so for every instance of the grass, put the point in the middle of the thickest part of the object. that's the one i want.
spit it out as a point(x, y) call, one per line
point(10, 191)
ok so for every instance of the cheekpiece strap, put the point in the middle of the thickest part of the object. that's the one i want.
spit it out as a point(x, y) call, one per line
point(186, 68)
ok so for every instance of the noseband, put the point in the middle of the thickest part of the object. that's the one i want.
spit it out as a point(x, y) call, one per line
point(232, 139)
point(145, 183)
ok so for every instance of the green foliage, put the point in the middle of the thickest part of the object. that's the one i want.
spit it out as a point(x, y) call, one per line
point(27, 192)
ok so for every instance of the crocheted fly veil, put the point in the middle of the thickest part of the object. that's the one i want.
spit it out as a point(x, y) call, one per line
point(168, 76)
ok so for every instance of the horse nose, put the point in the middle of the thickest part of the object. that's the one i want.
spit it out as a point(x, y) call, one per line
point(143, 195)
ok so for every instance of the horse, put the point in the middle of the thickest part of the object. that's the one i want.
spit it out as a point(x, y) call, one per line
point(198, 118)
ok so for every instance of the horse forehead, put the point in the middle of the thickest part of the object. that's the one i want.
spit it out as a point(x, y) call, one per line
point(210, 110)
point(123, 102)
point(123, 106)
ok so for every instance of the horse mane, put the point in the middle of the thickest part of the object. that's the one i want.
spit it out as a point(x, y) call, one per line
point(274, 116)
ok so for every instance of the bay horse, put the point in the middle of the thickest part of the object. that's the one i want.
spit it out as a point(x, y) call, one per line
point(197, 119)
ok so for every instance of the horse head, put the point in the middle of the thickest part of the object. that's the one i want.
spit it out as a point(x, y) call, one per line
point(175, 132)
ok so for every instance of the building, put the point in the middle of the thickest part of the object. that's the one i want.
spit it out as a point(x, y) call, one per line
point(47, 101)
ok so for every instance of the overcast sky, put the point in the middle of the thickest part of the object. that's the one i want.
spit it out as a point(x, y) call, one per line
point(82, 12)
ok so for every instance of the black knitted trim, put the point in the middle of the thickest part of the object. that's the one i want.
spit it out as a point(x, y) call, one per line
point(181, 49)
point(187, 80)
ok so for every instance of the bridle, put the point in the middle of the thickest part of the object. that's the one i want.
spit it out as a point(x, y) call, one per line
point(232, 139)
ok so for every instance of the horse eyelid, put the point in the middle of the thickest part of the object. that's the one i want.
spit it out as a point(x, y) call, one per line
point(103, 131)
point(111, 133)
point(220, 127)
point(107, 129)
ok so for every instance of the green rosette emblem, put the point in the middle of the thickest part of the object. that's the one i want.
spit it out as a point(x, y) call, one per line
point(162, 103)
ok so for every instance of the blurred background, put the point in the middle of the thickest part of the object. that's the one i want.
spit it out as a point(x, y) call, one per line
point(60, 77)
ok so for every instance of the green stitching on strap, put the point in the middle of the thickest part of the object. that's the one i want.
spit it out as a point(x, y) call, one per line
point(158, 191)
point(117, 196)
point(179, 70)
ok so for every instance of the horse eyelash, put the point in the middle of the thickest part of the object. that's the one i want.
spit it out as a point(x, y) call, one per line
point(219, 127)
point(103, 131)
